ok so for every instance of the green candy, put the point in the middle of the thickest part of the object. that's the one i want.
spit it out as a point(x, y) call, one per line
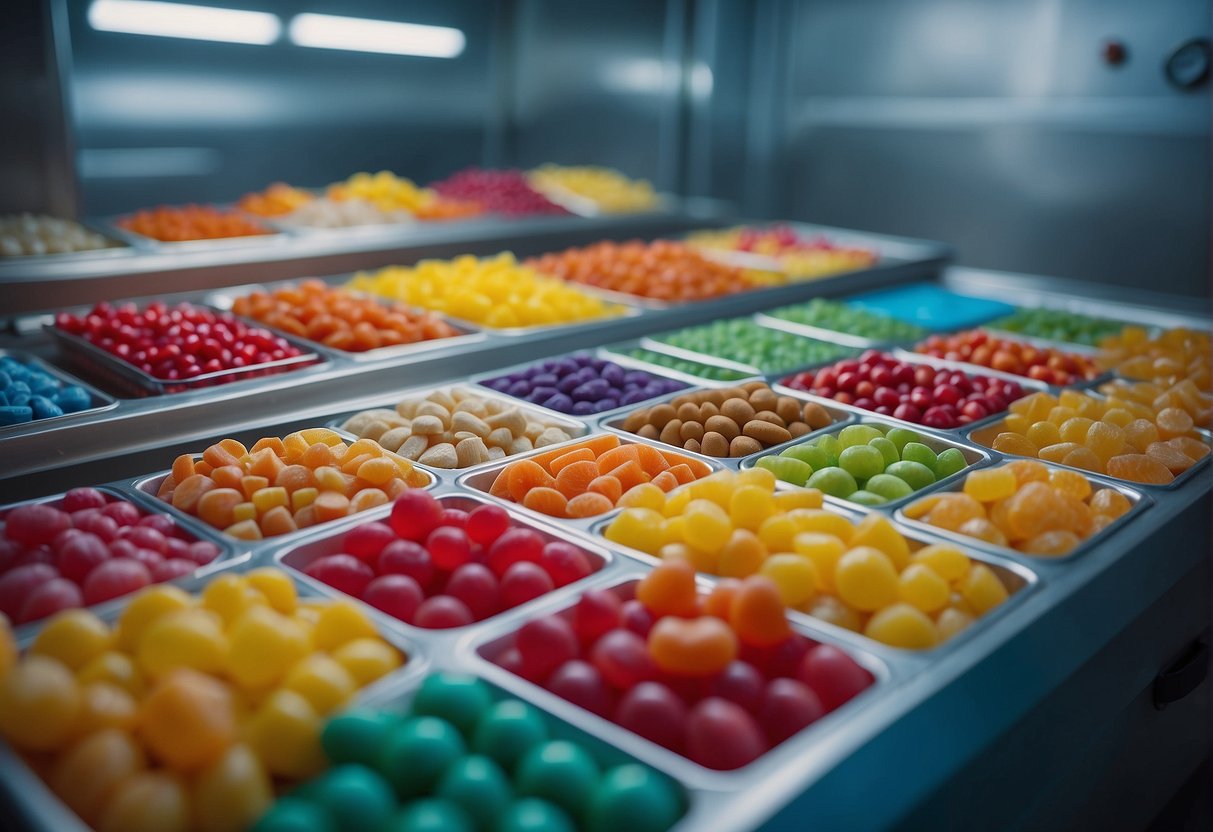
point(417, 752)
point(634, 798)
point(952, 461)
point(355, 797)
point(533, 815)
point(292, 814)
point(861, 461)
point(558, 771)
point(887, 449)
point(833, 481)
point(744, 341)
point(888, 486)
point(460, 700)
point(857, 435)
point(478, 786)
point(841, 317)
point(915, 474)
point(430, 815)
point(786, 468)
point(812, 454)
point(507, 731)
point(900, 436)
point(830, 444)
point(920, 453)
point(356, 736)
point(867, 498)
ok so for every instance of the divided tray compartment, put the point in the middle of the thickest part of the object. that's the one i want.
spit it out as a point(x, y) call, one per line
point(1138, 503)
point(628, 365)
point(490, 646)
point(975, 458)
point(467, 333)
point(570, 424)
point(99, 401)
point(297, 556)
point(126, 376)
point(112, 228)
point(907, 353)
point(619, 354)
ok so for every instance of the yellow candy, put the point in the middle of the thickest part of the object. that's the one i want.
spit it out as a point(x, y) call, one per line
point(8, 646)
point(795, 576)
point(144, 609)
point(74, 637)
point(677, 502)
point(285, 734)
point(866, 579)
point(148, 801)
point(991, 484)
point(609, 190)
point(673, 530)
point(877, 531)
point(1075, 429)
point(644, 495)
point(902, 625)
point(798, 498)
point(822, 520)
point(762, 478)
point(340, 622)
point(777, 533)
point(367, 659)
point(231, 794)
point(707, 526)
point(1044, 433)
point(718, 488)
point(638, 528)
point(188, 720)
point(922, 587)
point(742, 555)
point(263, 645)
point(828, 608)
point(751, 505)
point(39, 704)
point(265, 499)
point(187, 638)
point(982, 589)
point(113, 667)
point(323, 681)
point(302, 498)
point(229, 596)
point(945, 560)
point(1071, 483)
point(242, 512)
point(952, 621)
point(277, 588)
point(104, 705)
point(824, 550)
point(91, 769)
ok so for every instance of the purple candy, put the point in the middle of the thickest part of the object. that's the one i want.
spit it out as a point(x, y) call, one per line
point(636, 377)
point(597, 363)
point(548, 379)
point(499, 384)
point(582, 408)
point(605, 404)
point(568, 383)
point(519, 388)
point(543, 391)
point(591, 390)
point(613, 373)
point(632, 397)
point(560, 402)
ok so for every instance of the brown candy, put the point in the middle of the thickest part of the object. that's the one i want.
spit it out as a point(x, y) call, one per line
point(767, 433)
point(723, 425)
point(715, 444)
point(744, 446)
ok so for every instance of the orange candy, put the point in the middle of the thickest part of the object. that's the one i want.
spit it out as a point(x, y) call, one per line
point(591, 477)
point(285, 484)
point(339, 318)
point(1008, 355)
point(670, 590)
point(662, 270)
point(756, 613)
point(700, 646)
point(191, 222)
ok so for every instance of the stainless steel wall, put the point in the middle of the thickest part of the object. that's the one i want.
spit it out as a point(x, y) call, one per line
point(997, 126)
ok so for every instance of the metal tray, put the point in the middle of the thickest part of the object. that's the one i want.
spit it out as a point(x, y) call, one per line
point(974, 457)
point(100, 401)
point(615, 420)
point(307, 549)
point(481, 480)
point(619, 354)
point(902, 354)
point(113, 368)
point(114, 230)
point(224, 299)
point(570, 424)
point(819, 333)
point(1138, 501)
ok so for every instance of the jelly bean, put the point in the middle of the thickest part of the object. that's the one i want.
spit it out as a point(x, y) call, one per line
point(232, 793)
point(1007, 355)
point(285, 734)
point(721, 735)
point(147, 801)
point(417, 752)
point(460, 700)
point(89, 770)
point(866, 579)
point(188, 638)
point(747, 343)
point(903, 625)
point(39, 702)
point(263, 645)
point(355, 736)
point(617, 386)
point(655, 712)
point(841, 317)
point(507, 730)
point(354, 795)
point(560, 772)
point(187, 720)
point(74, 637)
point(787, 707)
point(633, 797)
point(533, 815)
point(702, 646)
point(478, 786)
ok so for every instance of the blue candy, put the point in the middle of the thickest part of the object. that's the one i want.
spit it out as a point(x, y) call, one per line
point(44, 408)
point(19, 399)
point(15, 415)
point(72, 398)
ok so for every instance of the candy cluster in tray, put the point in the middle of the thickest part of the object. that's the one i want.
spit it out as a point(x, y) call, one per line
point(557, 595)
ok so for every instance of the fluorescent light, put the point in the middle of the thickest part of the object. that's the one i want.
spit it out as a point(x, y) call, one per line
point(178, 20)
point(356, 34)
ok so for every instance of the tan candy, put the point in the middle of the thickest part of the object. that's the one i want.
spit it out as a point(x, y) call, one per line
point(471, 452)
point(648, 432)
point(511, 419)
point(473, 405)
point(443, 399)
point(739, 410)
point(428, 426)
point(551, 436)
point(766, 433)
point(500, 437)
point(394, 438)
point(724, 426)
point(521, 445)
point(713, 444)
point(441, 455)
point(436, 410)
point(496, 452)
point(744, 446)
point(413, 447)
point(464, 421)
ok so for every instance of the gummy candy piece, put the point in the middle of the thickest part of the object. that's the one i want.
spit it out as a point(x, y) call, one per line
point(1139, 468)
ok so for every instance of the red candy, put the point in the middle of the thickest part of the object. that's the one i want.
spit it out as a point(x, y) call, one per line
point(500, 191)
point(937, 398)
point(658, 668)
point(59, 555)
point(177, 343)
point(448, 567)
